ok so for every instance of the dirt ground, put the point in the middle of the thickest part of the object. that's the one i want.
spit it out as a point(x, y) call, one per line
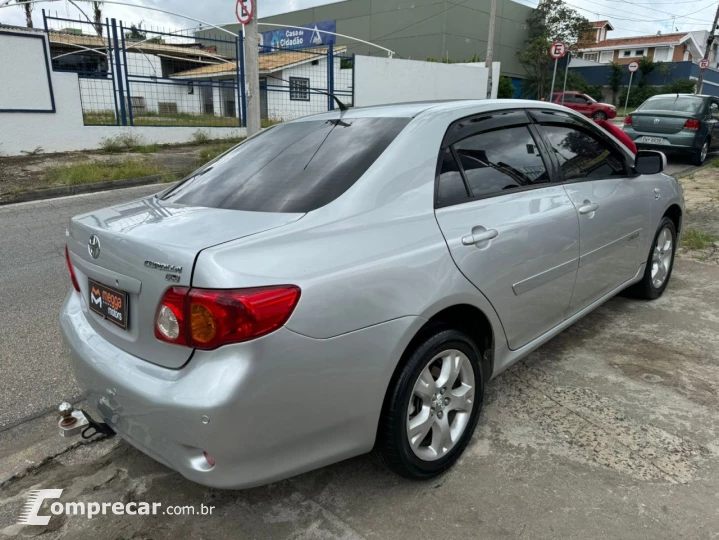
point(26, 173)
point(701, 194)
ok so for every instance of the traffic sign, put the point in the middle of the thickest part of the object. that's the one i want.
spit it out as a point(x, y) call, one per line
point(244, 10)
point(633, 66)
point(703, 64)
point(558, 50)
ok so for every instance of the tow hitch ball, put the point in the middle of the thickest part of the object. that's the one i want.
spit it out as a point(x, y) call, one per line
point(77, 422)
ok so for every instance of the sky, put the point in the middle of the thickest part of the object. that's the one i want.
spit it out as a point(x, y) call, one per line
point(629, 17)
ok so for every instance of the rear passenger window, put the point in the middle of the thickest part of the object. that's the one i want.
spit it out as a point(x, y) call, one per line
point(451, 188)
point(500, 161)
point(583, 156)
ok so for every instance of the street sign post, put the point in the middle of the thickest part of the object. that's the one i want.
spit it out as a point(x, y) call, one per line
point(633, 66)
point(703, 63)
point(245, 11)
point(556, 51)
point(566, 72)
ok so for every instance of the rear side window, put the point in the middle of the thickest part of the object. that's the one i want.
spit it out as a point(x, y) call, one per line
point(499, 161)
point(583, 156)
point(295, 167)
point(451, 188)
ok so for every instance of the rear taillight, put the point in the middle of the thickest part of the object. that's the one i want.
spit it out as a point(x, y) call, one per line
point(73, 278)
point(209, 318)
point(628, 120)
point(691, 124)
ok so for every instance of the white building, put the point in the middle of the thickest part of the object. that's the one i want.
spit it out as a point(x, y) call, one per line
point(291, 81)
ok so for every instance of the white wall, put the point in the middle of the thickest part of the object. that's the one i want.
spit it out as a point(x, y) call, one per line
point(23, 74)
point(389, 80)
point(64, 130)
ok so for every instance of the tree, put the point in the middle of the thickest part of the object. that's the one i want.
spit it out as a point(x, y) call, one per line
point(646, 66)
point(505, 89)
point(616, 73)
point(27, 8)
point(135, 34)
point(552, 20)
point(97, 15)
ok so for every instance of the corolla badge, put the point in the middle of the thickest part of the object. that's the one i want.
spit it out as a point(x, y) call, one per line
point(93, 247)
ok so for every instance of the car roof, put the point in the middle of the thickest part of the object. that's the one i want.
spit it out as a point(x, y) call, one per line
point(680, 95)
point(412, 110)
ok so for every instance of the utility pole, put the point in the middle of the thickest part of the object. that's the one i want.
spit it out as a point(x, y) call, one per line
point(252, 73)
point(710, 40)
point(490, 47)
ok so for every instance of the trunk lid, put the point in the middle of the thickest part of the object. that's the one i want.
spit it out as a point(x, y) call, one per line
point(659, 121)
point(142, 243)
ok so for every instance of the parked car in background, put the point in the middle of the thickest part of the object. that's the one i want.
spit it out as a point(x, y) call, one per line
point(353, 280)
point(683, 123)
point(586, 105)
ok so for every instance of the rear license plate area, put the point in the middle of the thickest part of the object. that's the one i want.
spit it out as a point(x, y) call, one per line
point(109, 303)
point(653, 140)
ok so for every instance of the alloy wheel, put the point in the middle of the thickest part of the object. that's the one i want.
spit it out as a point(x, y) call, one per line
point(662, 257)
point(705, 150)
point(441, 405)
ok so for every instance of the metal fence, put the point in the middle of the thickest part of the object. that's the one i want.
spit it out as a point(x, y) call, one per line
point(134, 76)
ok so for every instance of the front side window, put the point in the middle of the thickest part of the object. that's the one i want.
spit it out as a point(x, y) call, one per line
point(295, 167)
point(583, 156)
point(299, 89)
point(499, 161)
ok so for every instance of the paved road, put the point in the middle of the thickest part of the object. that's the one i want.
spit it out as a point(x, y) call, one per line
point(33, 284)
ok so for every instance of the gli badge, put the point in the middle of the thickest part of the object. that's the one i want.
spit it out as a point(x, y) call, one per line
point(93, 247)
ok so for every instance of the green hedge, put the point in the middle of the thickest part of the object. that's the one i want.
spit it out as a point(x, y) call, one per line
point(639, 95)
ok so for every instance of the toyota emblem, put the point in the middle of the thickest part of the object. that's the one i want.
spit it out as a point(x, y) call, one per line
point(93, 247)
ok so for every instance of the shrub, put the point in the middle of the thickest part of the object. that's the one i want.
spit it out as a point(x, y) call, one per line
point(127, 142)
point(505, 88)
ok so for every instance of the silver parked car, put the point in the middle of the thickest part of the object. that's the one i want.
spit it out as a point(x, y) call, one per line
point(351, 281)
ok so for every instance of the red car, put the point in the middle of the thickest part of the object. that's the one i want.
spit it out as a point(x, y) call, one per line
point(586, 105)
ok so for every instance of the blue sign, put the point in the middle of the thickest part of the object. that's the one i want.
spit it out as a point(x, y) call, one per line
point(314, 35)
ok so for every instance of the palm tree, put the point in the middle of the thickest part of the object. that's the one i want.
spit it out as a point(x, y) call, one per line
point(27, 8)
point(97, 15)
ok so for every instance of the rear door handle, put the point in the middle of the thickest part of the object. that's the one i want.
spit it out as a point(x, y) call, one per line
point(472, 239)
point(588, 208)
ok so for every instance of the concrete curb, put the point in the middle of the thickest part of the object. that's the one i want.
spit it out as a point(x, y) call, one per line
point(64, 191)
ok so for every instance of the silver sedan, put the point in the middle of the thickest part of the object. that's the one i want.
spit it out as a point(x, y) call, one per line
point(351, 281)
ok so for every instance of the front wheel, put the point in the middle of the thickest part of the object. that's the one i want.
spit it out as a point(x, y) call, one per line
point(659, 264)
point(600, 115)
point(700, 156)
point(432, 406)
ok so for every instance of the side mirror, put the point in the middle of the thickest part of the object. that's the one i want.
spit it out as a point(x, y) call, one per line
point(650, 162)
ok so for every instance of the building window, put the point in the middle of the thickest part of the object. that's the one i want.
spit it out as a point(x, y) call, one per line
point(639, 52)
point(662, 54)
point(299, 89)
point(606, 57)
point(86, 64)
point(593, 57)
point(626, 54)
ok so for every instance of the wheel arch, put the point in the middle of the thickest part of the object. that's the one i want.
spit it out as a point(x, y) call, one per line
point(674, 212)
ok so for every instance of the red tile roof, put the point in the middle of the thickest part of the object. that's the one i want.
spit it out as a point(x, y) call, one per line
point(641, 40)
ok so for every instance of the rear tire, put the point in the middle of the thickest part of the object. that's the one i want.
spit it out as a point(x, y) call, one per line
point(660, 263)
point(700, 156)
point(432, 406)
point(599, 115)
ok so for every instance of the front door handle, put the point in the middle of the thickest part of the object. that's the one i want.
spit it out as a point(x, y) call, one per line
point(588, 208)
point(472, 239)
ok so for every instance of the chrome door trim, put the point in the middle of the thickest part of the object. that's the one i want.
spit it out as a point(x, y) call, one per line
point(545, 277)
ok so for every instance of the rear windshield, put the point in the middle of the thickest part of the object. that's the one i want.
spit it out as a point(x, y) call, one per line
point(689, 104)
point(294, 167)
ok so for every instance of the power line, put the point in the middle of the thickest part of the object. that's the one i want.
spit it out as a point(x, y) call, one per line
point(675, 15)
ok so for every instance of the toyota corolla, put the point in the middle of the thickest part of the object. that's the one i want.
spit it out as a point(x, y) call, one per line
point(351, 281)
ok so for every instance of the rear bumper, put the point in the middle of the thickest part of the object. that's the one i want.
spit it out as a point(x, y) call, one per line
point(683, 142)
point(264, 410)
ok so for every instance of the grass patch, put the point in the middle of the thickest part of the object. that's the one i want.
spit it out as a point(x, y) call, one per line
point(107, 118)
point(127, 142)
point(211, 152)
point(200, 137)
point(693, 239)
point(88, 173)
